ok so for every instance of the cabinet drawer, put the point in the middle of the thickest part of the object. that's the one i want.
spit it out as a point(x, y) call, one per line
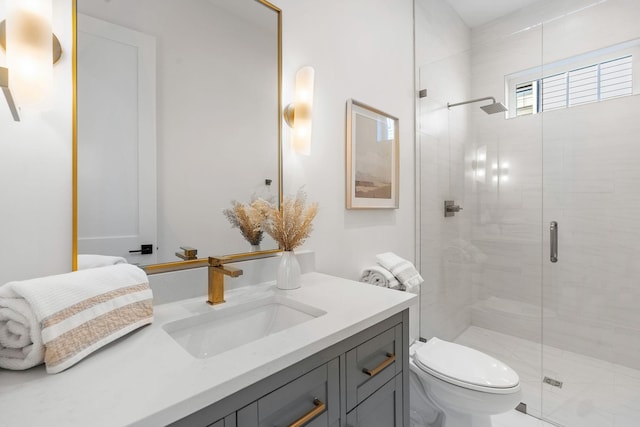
point(382, 409)
point(372, 364)
point(313, 396)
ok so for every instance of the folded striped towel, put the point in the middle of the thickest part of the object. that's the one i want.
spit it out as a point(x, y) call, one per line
point(402, 269)
point(380, 276)
point(93, 261)
point(61, 319)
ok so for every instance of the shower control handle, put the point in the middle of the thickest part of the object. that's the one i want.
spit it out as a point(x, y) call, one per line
point(450, 208)
point(553, 231)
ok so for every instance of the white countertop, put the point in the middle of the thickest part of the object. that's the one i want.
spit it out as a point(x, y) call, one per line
point(147, 379)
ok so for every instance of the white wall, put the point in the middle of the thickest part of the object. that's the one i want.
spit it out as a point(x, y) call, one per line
point(35, 174)
point(360, 49)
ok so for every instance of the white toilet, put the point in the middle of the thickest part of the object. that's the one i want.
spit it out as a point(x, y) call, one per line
point(456, 386)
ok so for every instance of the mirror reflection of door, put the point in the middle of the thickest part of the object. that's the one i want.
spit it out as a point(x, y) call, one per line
point(179, 110)
point(116, 141)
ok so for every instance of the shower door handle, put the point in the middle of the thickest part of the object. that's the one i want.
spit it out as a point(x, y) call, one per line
point(553, 231)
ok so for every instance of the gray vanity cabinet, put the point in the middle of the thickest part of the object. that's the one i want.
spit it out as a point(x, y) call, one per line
point(314, 397)
point(382, 409)
point(372, 364)
point(362, 381)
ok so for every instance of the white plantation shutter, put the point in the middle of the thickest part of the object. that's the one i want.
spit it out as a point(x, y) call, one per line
point(597, 82)
point(554, 92)
point(583, 85)
point(616, 78)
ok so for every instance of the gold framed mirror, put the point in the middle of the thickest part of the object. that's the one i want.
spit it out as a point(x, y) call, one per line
point(177, 113)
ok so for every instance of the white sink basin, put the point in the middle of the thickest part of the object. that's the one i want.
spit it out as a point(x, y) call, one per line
point(205, 335)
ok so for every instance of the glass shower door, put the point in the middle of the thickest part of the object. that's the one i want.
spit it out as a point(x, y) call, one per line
point(440, 151)
point(591, 339)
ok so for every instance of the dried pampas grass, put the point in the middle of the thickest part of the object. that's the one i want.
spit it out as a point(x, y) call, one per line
point(247, 218)
point(291, 225)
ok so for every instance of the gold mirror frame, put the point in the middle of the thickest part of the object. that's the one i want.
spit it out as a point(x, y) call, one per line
point(178, 265)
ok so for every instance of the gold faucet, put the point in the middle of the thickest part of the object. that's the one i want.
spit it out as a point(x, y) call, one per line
point(217, 271)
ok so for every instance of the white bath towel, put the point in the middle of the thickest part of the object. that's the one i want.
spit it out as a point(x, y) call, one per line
point(380, 276)
point(93, 261)
point(402, 269)
point(20, 338)
point(61, 319)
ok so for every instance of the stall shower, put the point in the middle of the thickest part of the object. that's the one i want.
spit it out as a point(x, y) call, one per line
point(551, 170)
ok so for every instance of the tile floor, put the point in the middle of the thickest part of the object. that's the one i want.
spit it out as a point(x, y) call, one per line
point(595, 393)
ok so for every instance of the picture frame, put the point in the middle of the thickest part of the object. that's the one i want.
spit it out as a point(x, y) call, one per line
point(373, 151)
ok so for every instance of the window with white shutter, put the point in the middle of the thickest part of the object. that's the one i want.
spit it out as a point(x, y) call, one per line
point(591, 83)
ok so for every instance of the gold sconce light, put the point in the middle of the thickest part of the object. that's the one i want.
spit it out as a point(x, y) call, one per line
point(298, 115)
point(31, 50)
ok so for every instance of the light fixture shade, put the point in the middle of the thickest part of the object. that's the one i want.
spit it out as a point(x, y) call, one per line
point(303, 104)
point(29, 40)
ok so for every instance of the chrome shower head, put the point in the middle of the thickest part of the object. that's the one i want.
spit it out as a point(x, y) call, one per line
point(493, 108)
point(496, 107)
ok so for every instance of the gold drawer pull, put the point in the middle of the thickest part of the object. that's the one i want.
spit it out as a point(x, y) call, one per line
point(320, 408)
point(386, 362)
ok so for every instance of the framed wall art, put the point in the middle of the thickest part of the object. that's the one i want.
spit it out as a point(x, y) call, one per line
point(372, 158)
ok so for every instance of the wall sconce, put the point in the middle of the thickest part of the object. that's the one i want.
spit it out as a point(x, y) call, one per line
point(298, 114)
point(31, 50)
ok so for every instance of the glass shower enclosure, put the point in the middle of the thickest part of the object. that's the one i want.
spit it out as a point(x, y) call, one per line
point(541, 266)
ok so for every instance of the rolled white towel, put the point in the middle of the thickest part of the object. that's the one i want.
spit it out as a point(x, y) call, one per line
point(61, 319)
point(93, 261)
point(379, 276)
point(20, 338)
point(402, 269)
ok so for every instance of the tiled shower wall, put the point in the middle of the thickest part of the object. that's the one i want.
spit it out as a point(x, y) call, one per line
point(586, 160)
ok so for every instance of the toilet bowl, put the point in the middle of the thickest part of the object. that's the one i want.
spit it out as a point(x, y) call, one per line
point(456, 386)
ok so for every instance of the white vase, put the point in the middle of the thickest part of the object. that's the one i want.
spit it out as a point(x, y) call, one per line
point(255, 248)
point(288, 271)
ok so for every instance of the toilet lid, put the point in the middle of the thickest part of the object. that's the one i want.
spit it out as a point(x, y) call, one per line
point(464, 366)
